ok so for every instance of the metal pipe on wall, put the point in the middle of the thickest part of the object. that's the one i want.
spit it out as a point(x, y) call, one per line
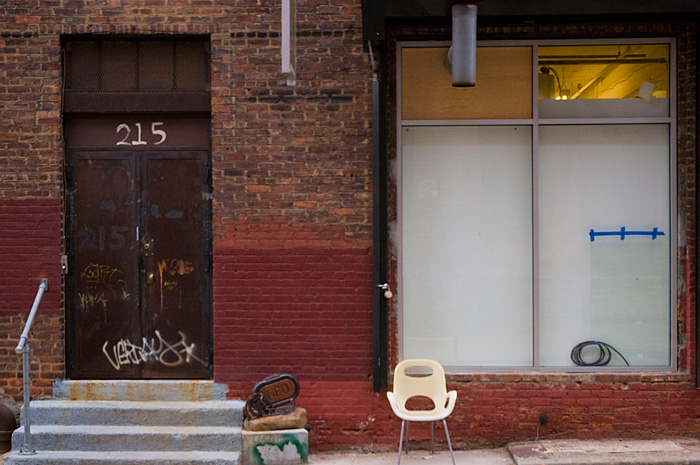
point(379, 233)
point(463, 50)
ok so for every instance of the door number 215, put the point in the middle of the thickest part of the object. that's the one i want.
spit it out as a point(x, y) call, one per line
point(138, 140)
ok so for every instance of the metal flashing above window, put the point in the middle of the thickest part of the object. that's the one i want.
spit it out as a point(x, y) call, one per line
point(151, 102)
point(376, 14)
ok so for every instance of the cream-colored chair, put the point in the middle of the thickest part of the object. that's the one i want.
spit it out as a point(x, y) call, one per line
point(422, 384)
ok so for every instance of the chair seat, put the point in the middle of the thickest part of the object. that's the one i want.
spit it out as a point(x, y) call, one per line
point(422, 416)
point(438, 413)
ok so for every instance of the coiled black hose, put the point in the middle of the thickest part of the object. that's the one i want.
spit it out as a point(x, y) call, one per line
point(603, 358)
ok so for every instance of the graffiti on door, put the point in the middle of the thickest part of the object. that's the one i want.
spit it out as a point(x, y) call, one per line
point(98, 280)
point(92, 240)
point(90, 301)
point(169, 354)
point(168, 271)
point(105, 275)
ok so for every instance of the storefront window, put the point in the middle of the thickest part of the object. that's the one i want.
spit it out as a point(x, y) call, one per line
point(524, 235)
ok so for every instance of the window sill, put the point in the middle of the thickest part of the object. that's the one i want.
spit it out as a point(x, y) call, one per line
point(564, 378)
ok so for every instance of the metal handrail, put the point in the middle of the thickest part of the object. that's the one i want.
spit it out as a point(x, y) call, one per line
point(23, 348)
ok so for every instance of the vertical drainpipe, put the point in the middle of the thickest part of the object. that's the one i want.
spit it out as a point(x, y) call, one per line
point(380, 324)
point(697, 228)
point(463, 50)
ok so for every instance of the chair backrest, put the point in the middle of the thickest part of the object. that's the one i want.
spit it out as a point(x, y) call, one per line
point(431, 385)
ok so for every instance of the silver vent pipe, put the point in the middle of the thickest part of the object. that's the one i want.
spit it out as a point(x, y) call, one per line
point(462, 54)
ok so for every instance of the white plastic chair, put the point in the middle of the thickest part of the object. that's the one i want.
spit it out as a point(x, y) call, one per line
point(432, 386)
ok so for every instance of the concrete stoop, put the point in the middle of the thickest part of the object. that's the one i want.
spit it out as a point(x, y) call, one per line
point(133, 423)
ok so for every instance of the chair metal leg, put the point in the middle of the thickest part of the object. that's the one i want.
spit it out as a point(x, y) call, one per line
point(449, 444)
point(432, 437)
point(408, 424)
point(401, 440)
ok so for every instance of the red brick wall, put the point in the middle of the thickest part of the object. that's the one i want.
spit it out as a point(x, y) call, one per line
point(30, 244)
point(292, 244)
point(30, 202)
point(495, 409)
point(292, 197)
point(291, 174)
point(300, 310)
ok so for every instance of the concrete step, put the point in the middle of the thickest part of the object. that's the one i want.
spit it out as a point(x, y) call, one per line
point(96, 422)
point(140, 390)
point(123, 458)
point(130, 438)
point(209, 413)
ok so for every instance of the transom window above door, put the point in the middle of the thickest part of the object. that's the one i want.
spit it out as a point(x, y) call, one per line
point(537, 217)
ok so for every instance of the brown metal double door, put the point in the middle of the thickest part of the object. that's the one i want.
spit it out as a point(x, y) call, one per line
point(138, 287)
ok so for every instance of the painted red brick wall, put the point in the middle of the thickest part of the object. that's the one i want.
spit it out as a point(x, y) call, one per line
point(493, 410)
point(30, 244)
point(300, 310)
point(292, 202)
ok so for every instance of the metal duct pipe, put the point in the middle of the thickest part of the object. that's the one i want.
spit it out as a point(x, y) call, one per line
point(463, 50)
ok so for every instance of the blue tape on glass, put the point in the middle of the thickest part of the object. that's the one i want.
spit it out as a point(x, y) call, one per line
point(623, 232)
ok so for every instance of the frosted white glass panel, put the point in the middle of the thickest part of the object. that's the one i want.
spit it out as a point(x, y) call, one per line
point(467, 245)
point(613, 290)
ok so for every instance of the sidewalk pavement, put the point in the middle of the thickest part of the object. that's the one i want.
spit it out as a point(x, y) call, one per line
point(544, 452)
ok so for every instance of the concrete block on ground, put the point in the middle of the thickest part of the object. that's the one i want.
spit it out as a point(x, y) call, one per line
point(281, 447)
point(607, 452)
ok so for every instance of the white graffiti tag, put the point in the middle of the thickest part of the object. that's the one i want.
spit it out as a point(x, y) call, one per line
point(126, 352)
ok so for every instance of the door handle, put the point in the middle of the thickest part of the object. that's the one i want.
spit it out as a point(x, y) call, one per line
point(150, 278)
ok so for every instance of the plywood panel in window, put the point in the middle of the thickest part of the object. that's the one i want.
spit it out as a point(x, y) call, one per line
point(503, 85)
